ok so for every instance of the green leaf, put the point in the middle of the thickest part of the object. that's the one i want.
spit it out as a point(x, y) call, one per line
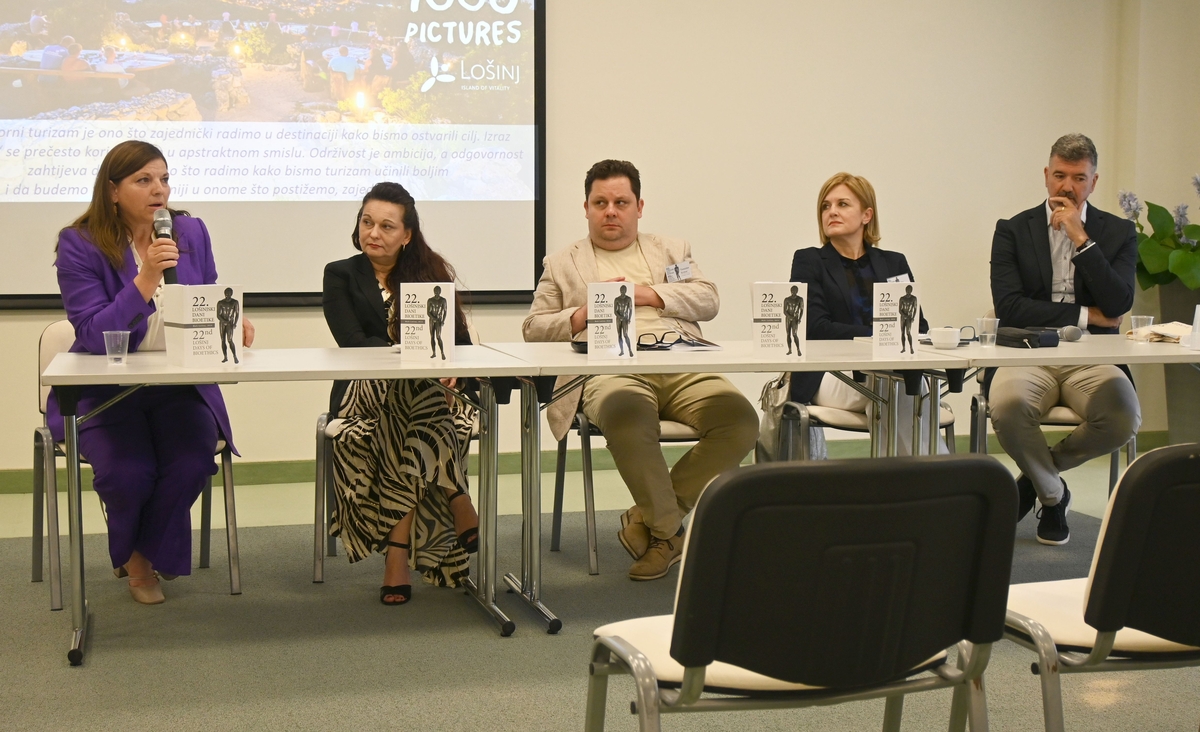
point(1186, 266)
point(1192, 231)
point(1144, 278)
point(1154, 256)
point(1160, 219)
point(1147, 281)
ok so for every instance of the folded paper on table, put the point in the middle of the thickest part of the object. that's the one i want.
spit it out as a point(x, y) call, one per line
point(1162, 333)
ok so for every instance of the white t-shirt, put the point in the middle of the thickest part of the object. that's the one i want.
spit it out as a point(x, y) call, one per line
point(113, 69)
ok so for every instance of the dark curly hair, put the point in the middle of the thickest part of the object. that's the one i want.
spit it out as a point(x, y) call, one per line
point(416, 261)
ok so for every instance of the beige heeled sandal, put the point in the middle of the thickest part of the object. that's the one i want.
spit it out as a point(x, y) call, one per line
point(147, 594)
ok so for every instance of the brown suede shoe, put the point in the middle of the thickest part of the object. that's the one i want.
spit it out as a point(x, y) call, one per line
point(658, 559)
point(634, 534)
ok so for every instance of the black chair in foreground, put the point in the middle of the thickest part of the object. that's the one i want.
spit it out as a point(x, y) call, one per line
point(808, 584)
point(1139, 607)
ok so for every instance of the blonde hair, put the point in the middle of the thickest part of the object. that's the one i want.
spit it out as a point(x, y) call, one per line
point(864, 192)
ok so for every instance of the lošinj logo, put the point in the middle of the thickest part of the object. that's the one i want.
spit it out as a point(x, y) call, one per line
point(437, 74)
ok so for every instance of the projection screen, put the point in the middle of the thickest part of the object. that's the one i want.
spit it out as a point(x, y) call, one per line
point(275, 117)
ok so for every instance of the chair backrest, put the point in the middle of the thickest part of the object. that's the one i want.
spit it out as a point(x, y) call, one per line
point(1146, 570)
point(59, 336)
point(847, 572)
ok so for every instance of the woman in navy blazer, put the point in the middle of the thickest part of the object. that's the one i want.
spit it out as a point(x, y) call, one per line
point(152, 452)
point(841, 276)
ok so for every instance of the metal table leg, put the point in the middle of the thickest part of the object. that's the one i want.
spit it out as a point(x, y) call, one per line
point(918, 404)
point(483, 586)
point(69, 403)
point(935, 410)
point(528, 587)
point(893, 445)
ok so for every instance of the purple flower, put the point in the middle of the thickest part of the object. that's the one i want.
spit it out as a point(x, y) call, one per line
point(1196, 183)
point(1181, 220)
point(1130, 204)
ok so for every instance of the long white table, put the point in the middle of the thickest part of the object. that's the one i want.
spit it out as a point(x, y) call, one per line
point(559, 359)
point(1089, 351)
point(534, 365)
point(68, 372)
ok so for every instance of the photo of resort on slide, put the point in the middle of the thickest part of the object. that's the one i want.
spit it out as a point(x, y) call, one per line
point(324, 61)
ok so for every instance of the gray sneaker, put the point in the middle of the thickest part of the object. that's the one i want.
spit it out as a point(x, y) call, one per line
point(634, 534)
point(658, 559)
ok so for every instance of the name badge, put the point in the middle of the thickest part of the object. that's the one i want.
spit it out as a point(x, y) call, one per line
point(680, 271)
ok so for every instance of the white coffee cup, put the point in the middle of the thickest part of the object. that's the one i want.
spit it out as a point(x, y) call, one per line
point(945, 337)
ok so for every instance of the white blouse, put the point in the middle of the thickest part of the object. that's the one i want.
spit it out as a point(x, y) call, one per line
point(156, 335)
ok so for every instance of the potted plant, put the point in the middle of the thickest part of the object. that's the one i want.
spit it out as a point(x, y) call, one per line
point(1169, 258)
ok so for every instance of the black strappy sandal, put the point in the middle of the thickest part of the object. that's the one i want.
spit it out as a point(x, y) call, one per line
point(469, 539)
point(404, 591)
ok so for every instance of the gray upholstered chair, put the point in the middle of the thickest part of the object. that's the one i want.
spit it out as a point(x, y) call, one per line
point(814, 583)
point(55, 339)
point(1139, 606)
point(669, 431)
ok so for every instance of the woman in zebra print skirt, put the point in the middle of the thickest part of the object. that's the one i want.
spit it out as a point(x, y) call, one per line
point(400, 456)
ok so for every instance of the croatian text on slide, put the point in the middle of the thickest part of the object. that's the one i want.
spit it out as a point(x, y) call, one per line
point(58, 161)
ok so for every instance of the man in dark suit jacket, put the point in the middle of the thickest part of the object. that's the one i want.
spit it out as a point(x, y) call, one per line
point(1062, 263)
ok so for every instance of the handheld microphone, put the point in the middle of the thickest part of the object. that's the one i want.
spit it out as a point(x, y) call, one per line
point(162, 230)
point(1070, 333)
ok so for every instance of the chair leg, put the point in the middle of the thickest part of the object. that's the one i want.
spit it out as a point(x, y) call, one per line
point(39, 496)
point(1131, 455)
point(560, 477)
point(1047, 670)
point(1114, 469)
point(330, 500)
point(205, 524)
point(959, 704)
point(977, 693)
point(893, 712)
point(949, 430)
point(231, 537)
point(589, 503)
point(979, 416)
point(50, 470)
point(597, 695)
point(319, 527)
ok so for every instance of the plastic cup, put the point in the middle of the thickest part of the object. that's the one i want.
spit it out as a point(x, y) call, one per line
point(987, 340)
point(1141, 327)
point(986, 325)
point(116, 346)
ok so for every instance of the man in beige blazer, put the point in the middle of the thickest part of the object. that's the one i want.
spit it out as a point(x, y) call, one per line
point(627, 408)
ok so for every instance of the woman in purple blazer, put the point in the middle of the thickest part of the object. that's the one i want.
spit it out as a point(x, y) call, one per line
point(152, 452)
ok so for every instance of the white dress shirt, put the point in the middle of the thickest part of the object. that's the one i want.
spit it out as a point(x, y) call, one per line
point(1062, 261)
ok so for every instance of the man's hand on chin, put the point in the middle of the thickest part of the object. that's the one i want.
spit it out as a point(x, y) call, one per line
point(1067, 219)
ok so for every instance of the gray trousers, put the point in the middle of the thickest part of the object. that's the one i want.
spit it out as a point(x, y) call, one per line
point(1022, 395)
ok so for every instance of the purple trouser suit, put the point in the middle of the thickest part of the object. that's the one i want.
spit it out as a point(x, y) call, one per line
point(152, 452)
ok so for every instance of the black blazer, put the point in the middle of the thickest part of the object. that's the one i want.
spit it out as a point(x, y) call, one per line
point(1022, 273)
point(355, 312)
point(829, 315)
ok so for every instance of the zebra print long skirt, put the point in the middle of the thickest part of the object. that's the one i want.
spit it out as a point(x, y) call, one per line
point(401, 448)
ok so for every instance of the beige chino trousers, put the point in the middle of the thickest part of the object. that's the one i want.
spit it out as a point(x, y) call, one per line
point(1021, 396)
point(627, 408)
